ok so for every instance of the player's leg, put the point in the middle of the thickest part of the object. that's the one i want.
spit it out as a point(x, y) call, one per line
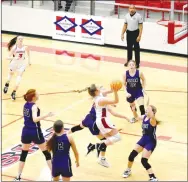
point(10, 74)
point(47, 154)
point(56, 178)
point(23, 156)
point(148, 149)
point(66, 179)
point(140, 101)
point(102, 159)
point(131, 158)
point(18, 80)
point(134, 110)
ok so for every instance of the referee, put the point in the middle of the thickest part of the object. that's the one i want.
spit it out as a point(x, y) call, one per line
point(133, 26)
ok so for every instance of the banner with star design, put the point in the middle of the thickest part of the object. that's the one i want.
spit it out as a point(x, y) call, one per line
point(78, 28)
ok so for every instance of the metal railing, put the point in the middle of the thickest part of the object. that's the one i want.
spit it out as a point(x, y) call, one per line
point(93, 7)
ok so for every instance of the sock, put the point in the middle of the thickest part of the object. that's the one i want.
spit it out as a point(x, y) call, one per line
point(19, 176)
point(152, 175)
point(129, 169)
point(103, 157)
point(9, 77)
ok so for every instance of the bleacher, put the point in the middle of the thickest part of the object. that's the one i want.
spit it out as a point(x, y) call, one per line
point(178, 5)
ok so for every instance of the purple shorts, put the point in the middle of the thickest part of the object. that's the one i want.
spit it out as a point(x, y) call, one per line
point(147, 143)
point(134, 95)
point(62, 169)
point(32, 135)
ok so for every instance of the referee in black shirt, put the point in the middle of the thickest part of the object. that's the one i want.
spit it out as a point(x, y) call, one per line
point(133, 26)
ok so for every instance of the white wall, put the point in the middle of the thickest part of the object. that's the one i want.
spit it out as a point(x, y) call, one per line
point(40, 22)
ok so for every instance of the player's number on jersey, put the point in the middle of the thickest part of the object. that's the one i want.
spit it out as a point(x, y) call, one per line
point(60, 146)
point(26, 112)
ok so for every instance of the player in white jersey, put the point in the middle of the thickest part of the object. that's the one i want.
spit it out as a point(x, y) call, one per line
point(103, 122)
point(18, 63)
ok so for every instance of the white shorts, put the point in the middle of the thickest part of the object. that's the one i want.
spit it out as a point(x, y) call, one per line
point(15, 65)
point(104, 125)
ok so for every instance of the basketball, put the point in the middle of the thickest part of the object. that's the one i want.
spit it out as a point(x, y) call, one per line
point(116, 85)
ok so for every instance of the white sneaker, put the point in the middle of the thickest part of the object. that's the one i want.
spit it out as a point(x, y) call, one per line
point(153, 179)
point(133, 120)
point(103, 162)
point(127, 173)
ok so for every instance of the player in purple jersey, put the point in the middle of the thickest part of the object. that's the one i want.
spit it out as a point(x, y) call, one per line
point(90, 123)
point(31, 131)
point(134, 88)
point(146, 144)
point(60, 144)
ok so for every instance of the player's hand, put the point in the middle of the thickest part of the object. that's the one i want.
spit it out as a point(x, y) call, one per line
point(128, 95)
point(50, 114)
point(77, 164)
point(138, 39)
point(122, 37)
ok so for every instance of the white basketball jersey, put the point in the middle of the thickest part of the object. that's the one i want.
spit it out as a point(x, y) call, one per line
point(101, 111)
point(19, 52)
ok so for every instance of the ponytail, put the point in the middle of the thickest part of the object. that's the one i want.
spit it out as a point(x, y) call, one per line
point(29, 95)
point(12, 42)
point(51, 144)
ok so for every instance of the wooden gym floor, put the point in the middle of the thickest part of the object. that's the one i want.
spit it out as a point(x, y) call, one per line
point(58, 67)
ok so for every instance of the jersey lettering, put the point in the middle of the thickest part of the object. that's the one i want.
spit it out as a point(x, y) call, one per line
point(60, 146)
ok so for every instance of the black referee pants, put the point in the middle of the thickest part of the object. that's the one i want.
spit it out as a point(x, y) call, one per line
point(131, 40)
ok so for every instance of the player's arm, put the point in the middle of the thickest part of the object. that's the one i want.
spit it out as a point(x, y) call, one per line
point(143, 80)
point(76, 128)
point(106, 101)
point(153, 121)
point(118, 115)
point(10, 56)
point(28, 54)
point(73, 146)
point(38, 118)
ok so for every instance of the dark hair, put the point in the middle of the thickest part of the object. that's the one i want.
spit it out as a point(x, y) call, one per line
point(12, 42)
point(92, 89)
point(29, 95)
point(51, 143)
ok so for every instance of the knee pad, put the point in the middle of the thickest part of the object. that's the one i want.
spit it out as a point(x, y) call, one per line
point(145, 163)
point(132, 155)
point(47, 155)
point(133, 108)
point(102, 147)
point(115, 138)
point(142, 110)
point(23, 155)
point(104, 150)
point(76, 128)
point(18, 80)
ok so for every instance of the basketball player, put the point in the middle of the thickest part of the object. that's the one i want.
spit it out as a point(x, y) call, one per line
point(17, 52)
point(31, 131)
point(90, 123)
point(134, 88)
point(103, 123)
point(60, 144)
point(146, 144)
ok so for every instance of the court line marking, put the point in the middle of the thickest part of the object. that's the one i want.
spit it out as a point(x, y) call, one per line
point(161, 66)
point(12, 122)
point(9, 176)
point(73, 91)
point(125, 133)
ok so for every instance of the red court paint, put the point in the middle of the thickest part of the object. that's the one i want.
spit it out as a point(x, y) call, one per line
point(108, 58)
point(163, 138)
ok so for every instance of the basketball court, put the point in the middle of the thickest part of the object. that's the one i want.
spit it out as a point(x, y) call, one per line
point(59, 67)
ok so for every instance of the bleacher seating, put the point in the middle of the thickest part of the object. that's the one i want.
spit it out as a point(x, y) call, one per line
point(157, 3)
point(178, 5)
